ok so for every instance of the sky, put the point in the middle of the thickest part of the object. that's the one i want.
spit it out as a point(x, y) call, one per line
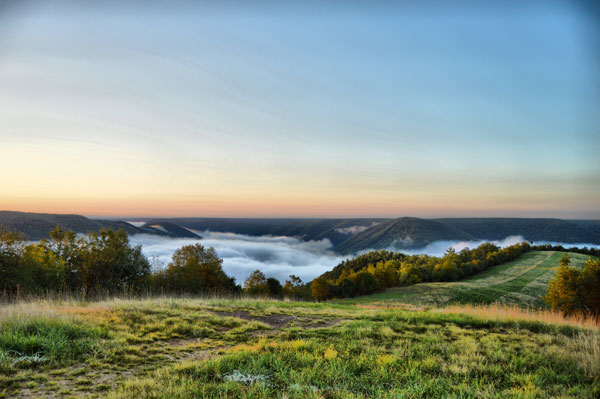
point(300, 109)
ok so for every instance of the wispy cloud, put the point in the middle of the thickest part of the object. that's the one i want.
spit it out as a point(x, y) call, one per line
point(354, 229)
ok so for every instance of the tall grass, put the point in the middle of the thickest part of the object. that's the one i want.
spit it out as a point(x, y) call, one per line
point(36, 333)
point(515, 313)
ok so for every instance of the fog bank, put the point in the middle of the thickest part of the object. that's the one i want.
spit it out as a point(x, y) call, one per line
point(275, 256)
point(281, 256)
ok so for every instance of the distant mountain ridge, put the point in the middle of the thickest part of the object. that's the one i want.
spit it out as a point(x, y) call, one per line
point(335, 230)
point(36, 226)
point(413, 233)
point(538, 229)
point(354, 235)
point(402, 233)
point(348, 236)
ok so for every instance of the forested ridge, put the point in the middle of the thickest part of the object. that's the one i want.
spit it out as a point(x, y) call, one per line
point(347, 235)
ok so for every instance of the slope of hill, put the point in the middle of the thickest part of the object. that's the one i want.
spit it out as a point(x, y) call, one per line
point(590, 225)
point(349, 235)
point(335, 230)
point(556, 230)
point(166, 228)
point(522, 282)
point(36, 226)
point(402, 233)
point(252, 227)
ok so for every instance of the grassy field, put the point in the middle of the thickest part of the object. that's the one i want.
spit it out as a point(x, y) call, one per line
point(186, 348)
point(522, 282)
point(382, 346)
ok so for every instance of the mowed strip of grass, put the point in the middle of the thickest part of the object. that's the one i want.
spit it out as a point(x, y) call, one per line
point(520, 282)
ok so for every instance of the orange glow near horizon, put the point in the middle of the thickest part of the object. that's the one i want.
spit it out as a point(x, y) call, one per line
point(260, 208)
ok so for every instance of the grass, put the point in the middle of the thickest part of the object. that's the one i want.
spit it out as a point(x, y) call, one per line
point(29, 338)
point(389, 354)
point(488, 338)
point(521, 282)
point(209, 348)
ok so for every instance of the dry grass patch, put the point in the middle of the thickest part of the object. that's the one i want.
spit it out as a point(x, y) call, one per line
point(516, 313)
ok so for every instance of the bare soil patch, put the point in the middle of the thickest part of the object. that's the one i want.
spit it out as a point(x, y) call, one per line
point(274, 320)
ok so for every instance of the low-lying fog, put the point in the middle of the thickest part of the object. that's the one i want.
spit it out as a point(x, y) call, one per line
point(281, 256)
point(275, 256)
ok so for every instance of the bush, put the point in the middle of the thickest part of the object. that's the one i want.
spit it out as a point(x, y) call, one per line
point(574, 291)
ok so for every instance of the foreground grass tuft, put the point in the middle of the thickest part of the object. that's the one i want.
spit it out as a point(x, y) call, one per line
point(41, 339)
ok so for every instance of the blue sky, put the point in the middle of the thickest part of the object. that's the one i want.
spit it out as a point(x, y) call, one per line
point(300, 109)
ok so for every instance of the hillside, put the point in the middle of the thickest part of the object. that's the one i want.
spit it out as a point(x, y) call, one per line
point(402, 233)
point(555, 230)
point(36, 226)
point(335, 230)
point(522, 282)
point(589, 225)
point(166, 228)
point(349, 235)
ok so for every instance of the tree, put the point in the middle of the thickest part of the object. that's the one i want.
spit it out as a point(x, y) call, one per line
point(292, 286)
point(196, 269)
point(66, 245)
point(12, 275)
point(256, 284)
point(365, 283)
point(320, 288)
point(46, 269)
point(564, 292)
point(447, 270)
point(590, 286)
point(274, 286)
point(109, 263)
point(576, 291)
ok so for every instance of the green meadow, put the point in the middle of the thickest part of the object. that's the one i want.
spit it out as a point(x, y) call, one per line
point(522, 282)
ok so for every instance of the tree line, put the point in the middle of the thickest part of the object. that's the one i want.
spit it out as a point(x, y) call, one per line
point(379, 270)
point(105, 262)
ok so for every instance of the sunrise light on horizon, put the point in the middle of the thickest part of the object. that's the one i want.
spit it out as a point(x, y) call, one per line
point(235, 109)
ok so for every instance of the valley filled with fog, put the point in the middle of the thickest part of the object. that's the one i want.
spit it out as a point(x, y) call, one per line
point(281, 256)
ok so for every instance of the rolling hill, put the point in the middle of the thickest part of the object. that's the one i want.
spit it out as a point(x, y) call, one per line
point(36, 226)
point(556, 230)
point(351, 235)
point(335, 230)
point(402, 233)
point(521, 282)
point(166, 228)
point(347, 235)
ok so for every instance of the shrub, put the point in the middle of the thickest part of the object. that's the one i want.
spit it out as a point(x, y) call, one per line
point(574, 291)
